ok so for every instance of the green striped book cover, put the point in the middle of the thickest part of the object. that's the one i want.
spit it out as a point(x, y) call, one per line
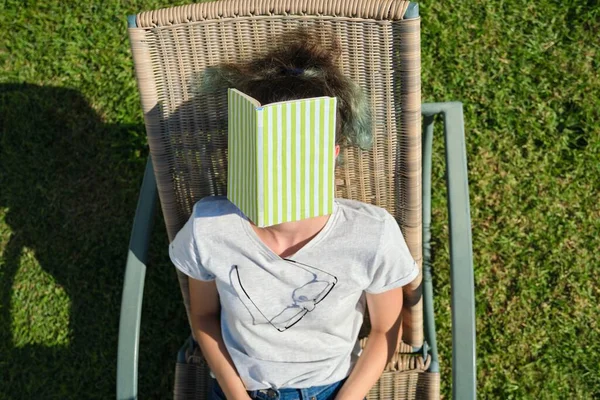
point(281, 158)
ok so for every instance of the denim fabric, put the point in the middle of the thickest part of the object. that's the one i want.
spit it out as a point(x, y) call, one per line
point(326, 392)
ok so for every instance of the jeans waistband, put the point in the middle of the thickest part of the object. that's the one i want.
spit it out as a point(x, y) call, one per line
point(310, 393)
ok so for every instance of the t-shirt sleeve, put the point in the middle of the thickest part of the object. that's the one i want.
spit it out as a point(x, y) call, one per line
point(393, 264)
point(183, 251)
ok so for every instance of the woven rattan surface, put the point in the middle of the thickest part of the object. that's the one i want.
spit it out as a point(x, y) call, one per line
point(365, 9)
point(187, 131)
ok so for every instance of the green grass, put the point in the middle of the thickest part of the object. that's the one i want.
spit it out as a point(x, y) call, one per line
point(72, 152)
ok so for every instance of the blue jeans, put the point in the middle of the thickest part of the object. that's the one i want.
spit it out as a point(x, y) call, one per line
point(326, 392)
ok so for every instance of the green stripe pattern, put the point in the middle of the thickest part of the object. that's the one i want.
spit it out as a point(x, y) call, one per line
point(281, 158)
point(241, 172)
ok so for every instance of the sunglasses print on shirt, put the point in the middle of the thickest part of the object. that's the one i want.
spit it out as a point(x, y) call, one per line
point(307, 286)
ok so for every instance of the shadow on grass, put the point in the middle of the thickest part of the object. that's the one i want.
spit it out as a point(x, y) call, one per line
point(69, 185)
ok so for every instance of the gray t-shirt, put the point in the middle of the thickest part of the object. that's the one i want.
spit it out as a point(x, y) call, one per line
point(293, 322)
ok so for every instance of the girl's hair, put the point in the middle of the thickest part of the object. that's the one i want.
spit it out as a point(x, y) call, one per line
point(302, 68)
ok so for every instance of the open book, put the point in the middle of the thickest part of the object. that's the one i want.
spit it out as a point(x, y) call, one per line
point(281, 158)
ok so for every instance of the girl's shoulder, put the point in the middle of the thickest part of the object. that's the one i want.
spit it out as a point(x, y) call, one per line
point(213, 207)
point(215, 215)
point(355, 209)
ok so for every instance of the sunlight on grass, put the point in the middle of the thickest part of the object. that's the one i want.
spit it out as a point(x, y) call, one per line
point(4, 234)
point(39, 307)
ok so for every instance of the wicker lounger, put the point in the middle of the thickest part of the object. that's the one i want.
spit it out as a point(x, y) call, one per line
point(187, 137)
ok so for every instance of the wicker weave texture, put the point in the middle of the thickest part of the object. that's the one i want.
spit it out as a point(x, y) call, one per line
point(192, 381)
point(391, 10)
point(406, 385)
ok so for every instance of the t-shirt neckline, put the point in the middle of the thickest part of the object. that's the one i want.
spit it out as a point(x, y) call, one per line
point(322, 234)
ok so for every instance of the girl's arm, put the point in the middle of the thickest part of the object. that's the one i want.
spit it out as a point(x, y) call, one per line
point(384, 312)
point(206, 325)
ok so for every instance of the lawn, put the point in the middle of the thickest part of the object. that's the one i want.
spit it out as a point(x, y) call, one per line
point(72, 155)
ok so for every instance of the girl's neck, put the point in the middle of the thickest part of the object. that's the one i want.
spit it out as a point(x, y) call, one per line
point(289, 237)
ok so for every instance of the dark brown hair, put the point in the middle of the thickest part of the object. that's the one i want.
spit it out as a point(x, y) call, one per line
point(302, 68)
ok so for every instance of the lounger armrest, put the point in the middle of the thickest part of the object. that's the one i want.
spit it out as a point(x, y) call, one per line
point(461, 252)
point(133, 288)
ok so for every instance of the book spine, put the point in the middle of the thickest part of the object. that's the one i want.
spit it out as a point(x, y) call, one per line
point(230, 140)
point(259, 172)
